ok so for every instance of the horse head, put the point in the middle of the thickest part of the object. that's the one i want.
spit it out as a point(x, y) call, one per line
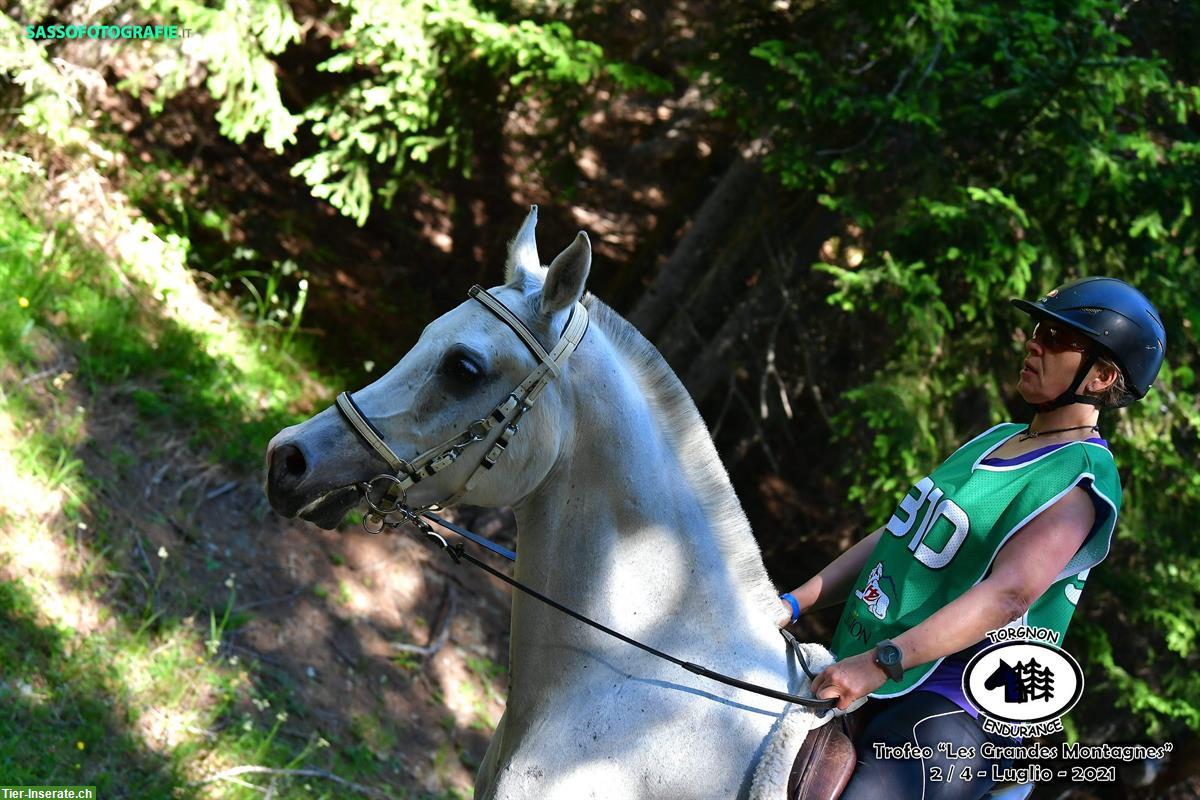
point(1002, 676)
point(462, 368)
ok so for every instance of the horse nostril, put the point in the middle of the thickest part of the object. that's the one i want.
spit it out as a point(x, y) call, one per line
point(293, 460)
point(286, 473)
point(288, 466)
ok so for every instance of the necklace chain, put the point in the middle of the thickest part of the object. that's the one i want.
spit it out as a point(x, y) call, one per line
point(1034, 434)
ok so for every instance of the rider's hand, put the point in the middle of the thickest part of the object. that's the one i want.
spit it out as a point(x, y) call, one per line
point(849, 679)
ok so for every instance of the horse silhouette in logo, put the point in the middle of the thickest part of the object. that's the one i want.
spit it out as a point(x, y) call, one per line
point(875, 598)
point(1022, 683)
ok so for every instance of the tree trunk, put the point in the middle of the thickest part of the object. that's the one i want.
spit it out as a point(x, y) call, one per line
point(763, 267)
point(693, 255)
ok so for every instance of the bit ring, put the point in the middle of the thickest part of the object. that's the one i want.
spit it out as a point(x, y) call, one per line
point(388, 503)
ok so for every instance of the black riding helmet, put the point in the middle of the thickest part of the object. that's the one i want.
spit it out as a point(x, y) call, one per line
point(1119, 319)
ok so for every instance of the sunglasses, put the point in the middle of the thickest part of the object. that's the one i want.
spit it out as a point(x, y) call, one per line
point(1057, 338)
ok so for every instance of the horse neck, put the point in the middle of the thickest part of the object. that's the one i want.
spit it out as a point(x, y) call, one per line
point(635, 528)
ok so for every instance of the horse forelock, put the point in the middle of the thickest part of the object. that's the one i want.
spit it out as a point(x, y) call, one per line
point(686, 431)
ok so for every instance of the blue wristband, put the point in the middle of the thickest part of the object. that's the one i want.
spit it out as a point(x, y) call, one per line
point(794, 603)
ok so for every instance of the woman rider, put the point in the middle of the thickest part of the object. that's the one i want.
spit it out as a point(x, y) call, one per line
point(1004, 531)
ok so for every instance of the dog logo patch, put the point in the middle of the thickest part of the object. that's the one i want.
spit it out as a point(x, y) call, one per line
point(876, 599)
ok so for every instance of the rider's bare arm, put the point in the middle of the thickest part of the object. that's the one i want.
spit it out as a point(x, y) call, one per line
point(831, 585)
point(1024, 569)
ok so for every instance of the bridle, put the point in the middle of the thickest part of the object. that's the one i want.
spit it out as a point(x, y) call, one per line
point(506, 415)
point(387, 493)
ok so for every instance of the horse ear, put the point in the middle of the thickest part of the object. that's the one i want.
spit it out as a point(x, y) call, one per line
point(522, 252)
point(567, 275)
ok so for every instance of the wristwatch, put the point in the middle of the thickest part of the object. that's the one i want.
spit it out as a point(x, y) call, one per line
point(888, 658)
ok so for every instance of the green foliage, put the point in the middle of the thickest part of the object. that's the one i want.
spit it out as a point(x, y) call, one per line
point(984, 151)
point(233, 390)
point(236, 42)
point(267, 301)
point(412, 82)
point(46, 99)
point(66, 717)
point(407, 58)
point(82, 706)
point(74, 705)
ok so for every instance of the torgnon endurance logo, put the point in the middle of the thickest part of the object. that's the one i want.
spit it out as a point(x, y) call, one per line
point(1024, 683)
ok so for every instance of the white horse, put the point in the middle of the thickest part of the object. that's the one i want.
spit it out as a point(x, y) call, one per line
point(624, 513)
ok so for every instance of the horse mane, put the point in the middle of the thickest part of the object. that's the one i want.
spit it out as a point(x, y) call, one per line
point(688, 434)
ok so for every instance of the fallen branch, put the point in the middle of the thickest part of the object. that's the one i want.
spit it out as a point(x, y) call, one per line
point(246, 784)
point(46, 373)
point(230, 774)
point(342, 654)
point(220, 490)
point(443, 632)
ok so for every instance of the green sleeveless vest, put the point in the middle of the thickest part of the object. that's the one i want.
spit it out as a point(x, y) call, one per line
point(946, 532)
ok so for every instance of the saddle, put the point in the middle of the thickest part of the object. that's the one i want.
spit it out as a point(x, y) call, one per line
point(825, 762)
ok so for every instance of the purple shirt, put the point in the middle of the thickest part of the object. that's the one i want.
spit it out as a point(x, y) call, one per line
point(946, 678)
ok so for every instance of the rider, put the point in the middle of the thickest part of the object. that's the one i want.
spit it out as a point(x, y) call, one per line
point(1004, 531)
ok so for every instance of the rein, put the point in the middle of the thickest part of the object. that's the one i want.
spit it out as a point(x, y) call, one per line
point(458, 554)
point(387, 494)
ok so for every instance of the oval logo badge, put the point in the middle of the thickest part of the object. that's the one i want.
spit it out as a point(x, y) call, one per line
point(1023, 682)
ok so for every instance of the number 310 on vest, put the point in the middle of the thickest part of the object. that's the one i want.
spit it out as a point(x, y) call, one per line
point(930, 505)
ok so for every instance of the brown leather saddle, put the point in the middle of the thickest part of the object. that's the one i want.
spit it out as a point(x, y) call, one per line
point(825, 762)
point(827, 759)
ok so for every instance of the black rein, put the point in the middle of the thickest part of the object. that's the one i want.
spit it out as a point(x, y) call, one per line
point(459, 554)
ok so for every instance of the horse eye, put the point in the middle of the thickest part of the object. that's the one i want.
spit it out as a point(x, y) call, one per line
point(461, 367)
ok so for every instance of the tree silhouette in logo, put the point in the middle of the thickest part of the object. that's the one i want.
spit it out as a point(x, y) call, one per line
point(1022, 682)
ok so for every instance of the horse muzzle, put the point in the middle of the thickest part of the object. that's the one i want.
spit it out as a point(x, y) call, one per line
point(295, 488)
